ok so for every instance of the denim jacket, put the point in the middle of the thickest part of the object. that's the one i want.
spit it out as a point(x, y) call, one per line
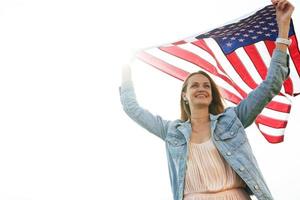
point(227, 128)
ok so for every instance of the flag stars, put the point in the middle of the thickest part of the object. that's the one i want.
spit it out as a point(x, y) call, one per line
point(274, 30)
point(254, 37)
point(256, 26)
point(241, 40)
point(264, 28)
point(246, 35)
point(271, 24)
point(259, 32)
point(224, 38)
point(233, 38)
point(229, 44)
point(267, 34)
point(262, 22)
point(251, 31)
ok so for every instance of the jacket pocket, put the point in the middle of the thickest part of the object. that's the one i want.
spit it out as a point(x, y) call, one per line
point(175, 140)
point(233, 137)
point(228, 135)
point(176, 146)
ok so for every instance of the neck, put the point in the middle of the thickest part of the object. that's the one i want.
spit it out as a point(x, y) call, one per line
point(200, 116)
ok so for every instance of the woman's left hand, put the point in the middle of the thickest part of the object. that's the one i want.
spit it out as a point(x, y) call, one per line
point(284, 10)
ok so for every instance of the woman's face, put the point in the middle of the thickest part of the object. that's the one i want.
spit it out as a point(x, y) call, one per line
point(198, 91)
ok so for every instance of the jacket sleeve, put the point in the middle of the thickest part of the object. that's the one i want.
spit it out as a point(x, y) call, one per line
point(248, 109)
point(153, 123)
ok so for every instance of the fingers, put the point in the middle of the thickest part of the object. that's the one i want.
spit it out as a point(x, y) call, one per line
point(281, 4)
point(274, 2)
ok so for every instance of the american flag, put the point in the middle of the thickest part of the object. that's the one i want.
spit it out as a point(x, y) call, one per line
point(237, 56)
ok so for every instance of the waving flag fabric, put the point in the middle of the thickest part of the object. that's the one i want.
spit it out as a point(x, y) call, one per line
point(237, 56)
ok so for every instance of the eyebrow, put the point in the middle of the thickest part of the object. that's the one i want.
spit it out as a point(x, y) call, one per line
point(198, 82)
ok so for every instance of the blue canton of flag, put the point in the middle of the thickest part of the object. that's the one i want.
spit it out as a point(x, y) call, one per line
point(258, 27)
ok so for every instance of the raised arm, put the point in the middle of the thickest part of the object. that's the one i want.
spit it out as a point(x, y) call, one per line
point(248, 109)
point(153, 123)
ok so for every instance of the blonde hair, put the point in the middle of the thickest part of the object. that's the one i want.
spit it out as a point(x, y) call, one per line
point(216, 106)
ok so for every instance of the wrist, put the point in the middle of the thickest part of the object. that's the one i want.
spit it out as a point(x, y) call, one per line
point(283, 30)
point(283, 41)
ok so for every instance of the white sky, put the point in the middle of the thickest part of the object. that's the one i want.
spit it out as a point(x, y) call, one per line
point(63, 134)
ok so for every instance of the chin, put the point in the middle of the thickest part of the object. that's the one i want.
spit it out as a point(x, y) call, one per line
point(202, 104)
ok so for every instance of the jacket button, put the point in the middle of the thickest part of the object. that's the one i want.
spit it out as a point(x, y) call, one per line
point(256, 187)
point(228, 153)
point(231, 133)
point(242, 168)
point(176, 142)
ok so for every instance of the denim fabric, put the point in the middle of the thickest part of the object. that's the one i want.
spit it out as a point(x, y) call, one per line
point(227, 128)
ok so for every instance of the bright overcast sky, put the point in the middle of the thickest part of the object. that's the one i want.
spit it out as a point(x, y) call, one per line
point(63, 133)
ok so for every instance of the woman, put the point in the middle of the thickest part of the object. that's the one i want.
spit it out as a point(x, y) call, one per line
point(209, 156)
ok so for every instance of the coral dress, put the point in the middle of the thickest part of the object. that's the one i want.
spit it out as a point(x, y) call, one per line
point(210, 177)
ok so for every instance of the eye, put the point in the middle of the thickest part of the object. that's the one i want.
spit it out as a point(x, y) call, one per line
point(194, 85)
point(206, 86)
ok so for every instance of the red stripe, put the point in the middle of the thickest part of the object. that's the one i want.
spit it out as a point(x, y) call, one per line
point(288, 84)
point(163, 66)
point(257, 60)
point(179, 42)
point(270, 46)
point(295, 55)
point(241, 69)
point(278, 106)
point(267, 121)
point(202, 44)
point(271, 138)
point(229, 96)
point(192, 58)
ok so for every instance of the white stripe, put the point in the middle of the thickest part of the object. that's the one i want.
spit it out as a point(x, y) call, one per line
point(282, 99)
point(228, 68)
point(248, 65)
point(271, 131)
point(189, 67)
point(201, 53)
point(263, 51)
point(173, 60)
point(275, 114)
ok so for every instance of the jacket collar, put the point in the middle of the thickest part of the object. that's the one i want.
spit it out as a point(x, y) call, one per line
point(186, 129)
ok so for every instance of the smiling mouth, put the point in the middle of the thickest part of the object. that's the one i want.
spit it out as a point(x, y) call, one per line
point(201, 95)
